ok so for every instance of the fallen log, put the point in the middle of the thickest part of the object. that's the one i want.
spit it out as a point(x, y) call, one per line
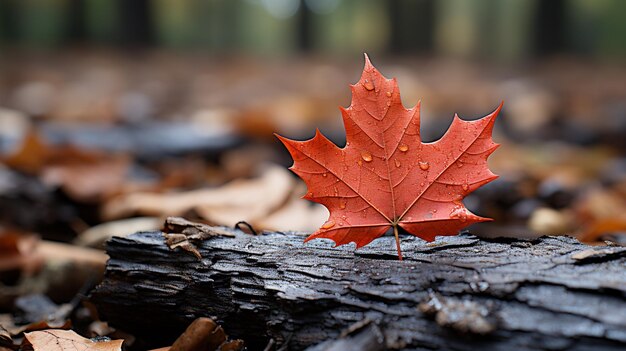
point(457, 293)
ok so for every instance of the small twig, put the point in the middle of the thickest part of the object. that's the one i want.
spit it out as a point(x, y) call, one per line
point(270, 345)
point(246, 224)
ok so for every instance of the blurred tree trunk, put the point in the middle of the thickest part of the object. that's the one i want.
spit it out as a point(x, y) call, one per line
point(101, 21)
point(136, 24)
point(304, 27)
point(263, 32)
point(613, 29)
point(76, 30)
point(41, 23)
point(508, 29)
point(457, 31)
point(8, 21)
point(550, 24)
point(412, 26)
point(354, 26)
point(175, 22)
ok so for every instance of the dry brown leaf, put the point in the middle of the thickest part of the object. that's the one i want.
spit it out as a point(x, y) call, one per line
point(85, 175)
point(62, 252)
point(286, 114)
point(247, 200)
point(35, 154)
point(232, 345)
point(97, 235)
point(600, 212)
point(88, 182)
point(179, 232)
point(198, 336)
point(5, 337)
point(67, 340)
point(295, 215)
point(598, 204)
point(598, 253)
point(30, 157)
point(15, 330)
point(17, 251)
point(203, 334)
point(601, 227)
point(548, 221)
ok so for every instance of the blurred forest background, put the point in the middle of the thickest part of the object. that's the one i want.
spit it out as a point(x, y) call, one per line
point(507, 30)
point(117, 113)
point(121, 109)
point(503, 30)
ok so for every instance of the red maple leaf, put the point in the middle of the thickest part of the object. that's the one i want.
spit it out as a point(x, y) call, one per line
point(385, 176)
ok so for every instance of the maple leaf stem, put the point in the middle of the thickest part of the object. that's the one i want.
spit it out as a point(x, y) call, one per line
point(395, 233)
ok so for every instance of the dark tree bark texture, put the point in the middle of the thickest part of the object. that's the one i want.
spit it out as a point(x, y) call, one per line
point(458, 293)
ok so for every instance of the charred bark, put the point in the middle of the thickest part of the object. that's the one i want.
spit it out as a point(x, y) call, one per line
point(458, 293)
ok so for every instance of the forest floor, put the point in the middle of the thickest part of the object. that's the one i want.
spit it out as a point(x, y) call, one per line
point(98, 144)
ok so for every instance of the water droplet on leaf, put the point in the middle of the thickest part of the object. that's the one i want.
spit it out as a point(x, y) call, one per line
point(403, 147)
point(459, 213)
point(368, 85)
point(424, 165)
point(328, 224)
point(388, 94)
point(397, 162)
point(366, 156)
